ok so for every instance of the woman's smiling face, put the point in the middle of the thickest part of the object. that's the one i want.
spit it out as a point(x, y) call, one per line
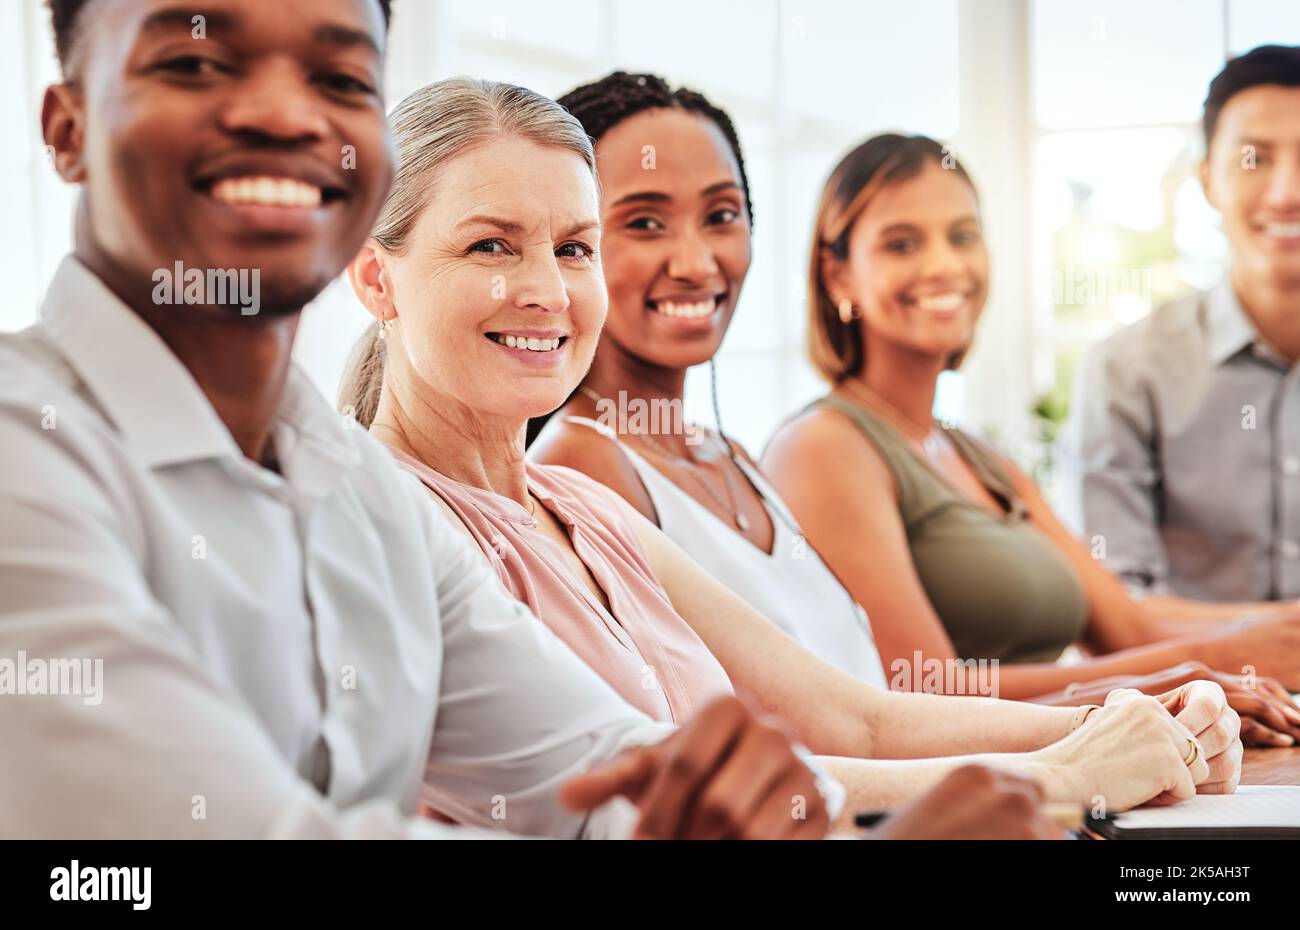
point(499, 293)
point(917, 266)
point(677, 243)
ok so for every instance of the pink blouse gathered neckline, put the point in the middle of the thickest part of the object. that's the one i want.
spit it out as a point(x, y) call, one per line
point(641, 646)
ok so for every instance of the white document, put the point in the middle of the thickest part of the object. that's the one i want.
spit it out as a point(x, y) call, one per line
point(1251, 806)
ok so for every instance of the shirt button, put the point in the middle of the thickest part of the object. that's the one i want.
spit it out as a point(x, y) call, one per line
point(1290, 548)
point(1291, 465)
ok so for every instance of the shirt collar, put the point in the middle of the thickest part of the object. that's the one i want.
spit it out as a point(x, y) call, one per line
point(1230, 329)
point(157, 405)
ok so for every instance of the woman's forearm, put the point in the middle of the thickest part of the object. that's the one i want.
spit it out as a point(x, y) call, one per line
point(1027, 682)
point(909, 725)
point(883, 784)
point(1175, 613)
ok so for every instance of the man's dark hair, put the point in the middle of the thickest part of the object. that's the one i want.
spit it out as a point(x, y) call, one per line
point(65, 13)
point(1267, 64)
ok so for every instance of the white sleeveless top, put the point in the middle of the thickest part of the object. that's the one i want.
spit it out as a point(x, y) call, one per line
point(792, 587)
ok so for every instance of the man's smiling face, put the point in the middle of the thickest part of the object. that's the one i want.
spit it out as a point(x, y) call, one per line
point(229, 134)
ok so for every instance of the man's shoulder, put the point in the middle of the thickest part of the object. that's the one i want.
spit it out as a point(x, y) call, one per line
point(392, 497)
point(40, 391)
point(31, 368)
point(1174, 325)
point(1170, 339)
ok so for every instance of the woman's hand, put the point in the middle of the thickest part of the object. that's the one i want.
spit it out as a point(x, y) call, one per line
point(1268, 715)
point(973, 802)
point(1202, 708)
point(1127, 753)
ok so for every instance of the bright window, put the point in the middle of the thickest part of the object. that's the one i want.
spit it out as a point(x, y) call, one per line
point(1120, 224)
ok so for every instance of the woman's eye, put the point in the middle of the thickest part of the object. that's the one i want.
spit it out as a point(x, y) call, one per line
point(970, 237)
point(645, 223)
point(724, 216)
point(489, 247)
point(575, 250)
point(900, 246)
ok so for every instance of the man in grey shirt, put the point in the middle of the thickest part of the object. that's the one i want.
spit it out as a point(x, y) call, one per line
point(1186, 425)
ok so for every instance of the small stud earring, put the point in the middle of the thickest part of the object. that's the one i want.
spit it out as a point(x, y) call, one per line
point(848, 312)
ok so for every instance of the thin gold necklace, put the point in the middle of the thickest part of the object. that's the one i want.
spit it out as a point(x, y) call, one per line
point(729, 505)
point(890, 411)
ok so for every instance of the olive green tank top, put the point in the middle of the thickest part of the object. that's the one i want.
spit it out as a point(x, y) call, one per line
point(1002, 588)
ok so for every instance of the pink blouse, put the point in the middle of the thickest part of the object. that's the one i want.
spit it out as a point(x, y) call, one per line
point(645, 650)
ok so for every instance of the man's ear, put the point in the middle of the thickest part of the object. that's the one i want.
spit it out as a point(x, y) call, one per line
point(1203, 170)
point(369, 274)
point(63, 128)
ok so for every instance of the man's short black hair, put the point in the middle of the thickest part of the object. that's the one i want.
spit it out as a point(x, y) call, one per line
point(1267, 64)
point(64, 14)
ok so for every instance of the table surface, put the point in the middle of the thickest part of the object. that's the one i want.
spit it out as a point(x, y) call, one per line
point(1271, 767)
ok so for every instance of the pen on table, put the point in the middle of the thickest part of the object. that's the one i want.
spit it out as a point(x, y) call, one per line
point(1065, 815)
point(869, 819)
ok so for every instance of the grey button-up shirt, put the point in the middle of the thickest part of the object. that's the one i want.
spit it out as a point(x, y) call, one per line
point(1184, 444)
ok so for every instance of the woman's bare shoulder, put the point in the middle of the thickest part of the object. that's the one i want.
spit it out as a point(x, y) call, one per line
point(825, 438)
point(595, 454)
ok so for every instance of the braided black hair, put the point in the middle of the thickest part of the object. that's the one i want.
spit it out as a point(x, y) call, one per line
point(618, 96)
point(602, 105)
point(64, 15)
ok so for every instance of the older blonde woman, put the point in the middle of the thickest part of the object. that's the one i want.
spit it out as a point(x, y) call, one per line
point(484, 278)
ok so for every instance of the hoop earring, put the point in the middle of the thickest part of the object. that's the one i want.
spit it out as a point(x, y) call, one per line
point(848, 312)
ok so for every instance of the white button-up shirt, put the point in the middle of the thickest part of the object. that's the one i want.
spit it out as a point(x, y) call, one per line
point(194, 646)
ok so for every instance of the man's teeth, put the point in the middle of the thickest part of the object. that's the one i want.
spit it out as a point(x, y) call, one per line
point(1282, 230)
point(942, 303)
point(691, 311)
point(529, 343)
point(267, 192)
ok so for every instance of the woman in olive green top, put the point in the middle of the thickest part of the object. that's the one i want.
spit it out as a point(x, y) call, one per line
point(1003, 589)
point(949, 547)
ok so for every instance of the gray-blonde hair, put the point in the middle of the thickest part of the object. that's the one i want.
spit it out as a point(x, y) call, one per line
point(432, 126)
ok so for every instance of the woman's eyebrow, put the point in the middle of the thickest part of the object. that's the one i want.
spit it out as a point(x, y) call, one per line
point(660, 197)
point(510, 227)
point(482, 219)
point(719, 187)
point(643, 197)
point(580, 226)
point(900, 227)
